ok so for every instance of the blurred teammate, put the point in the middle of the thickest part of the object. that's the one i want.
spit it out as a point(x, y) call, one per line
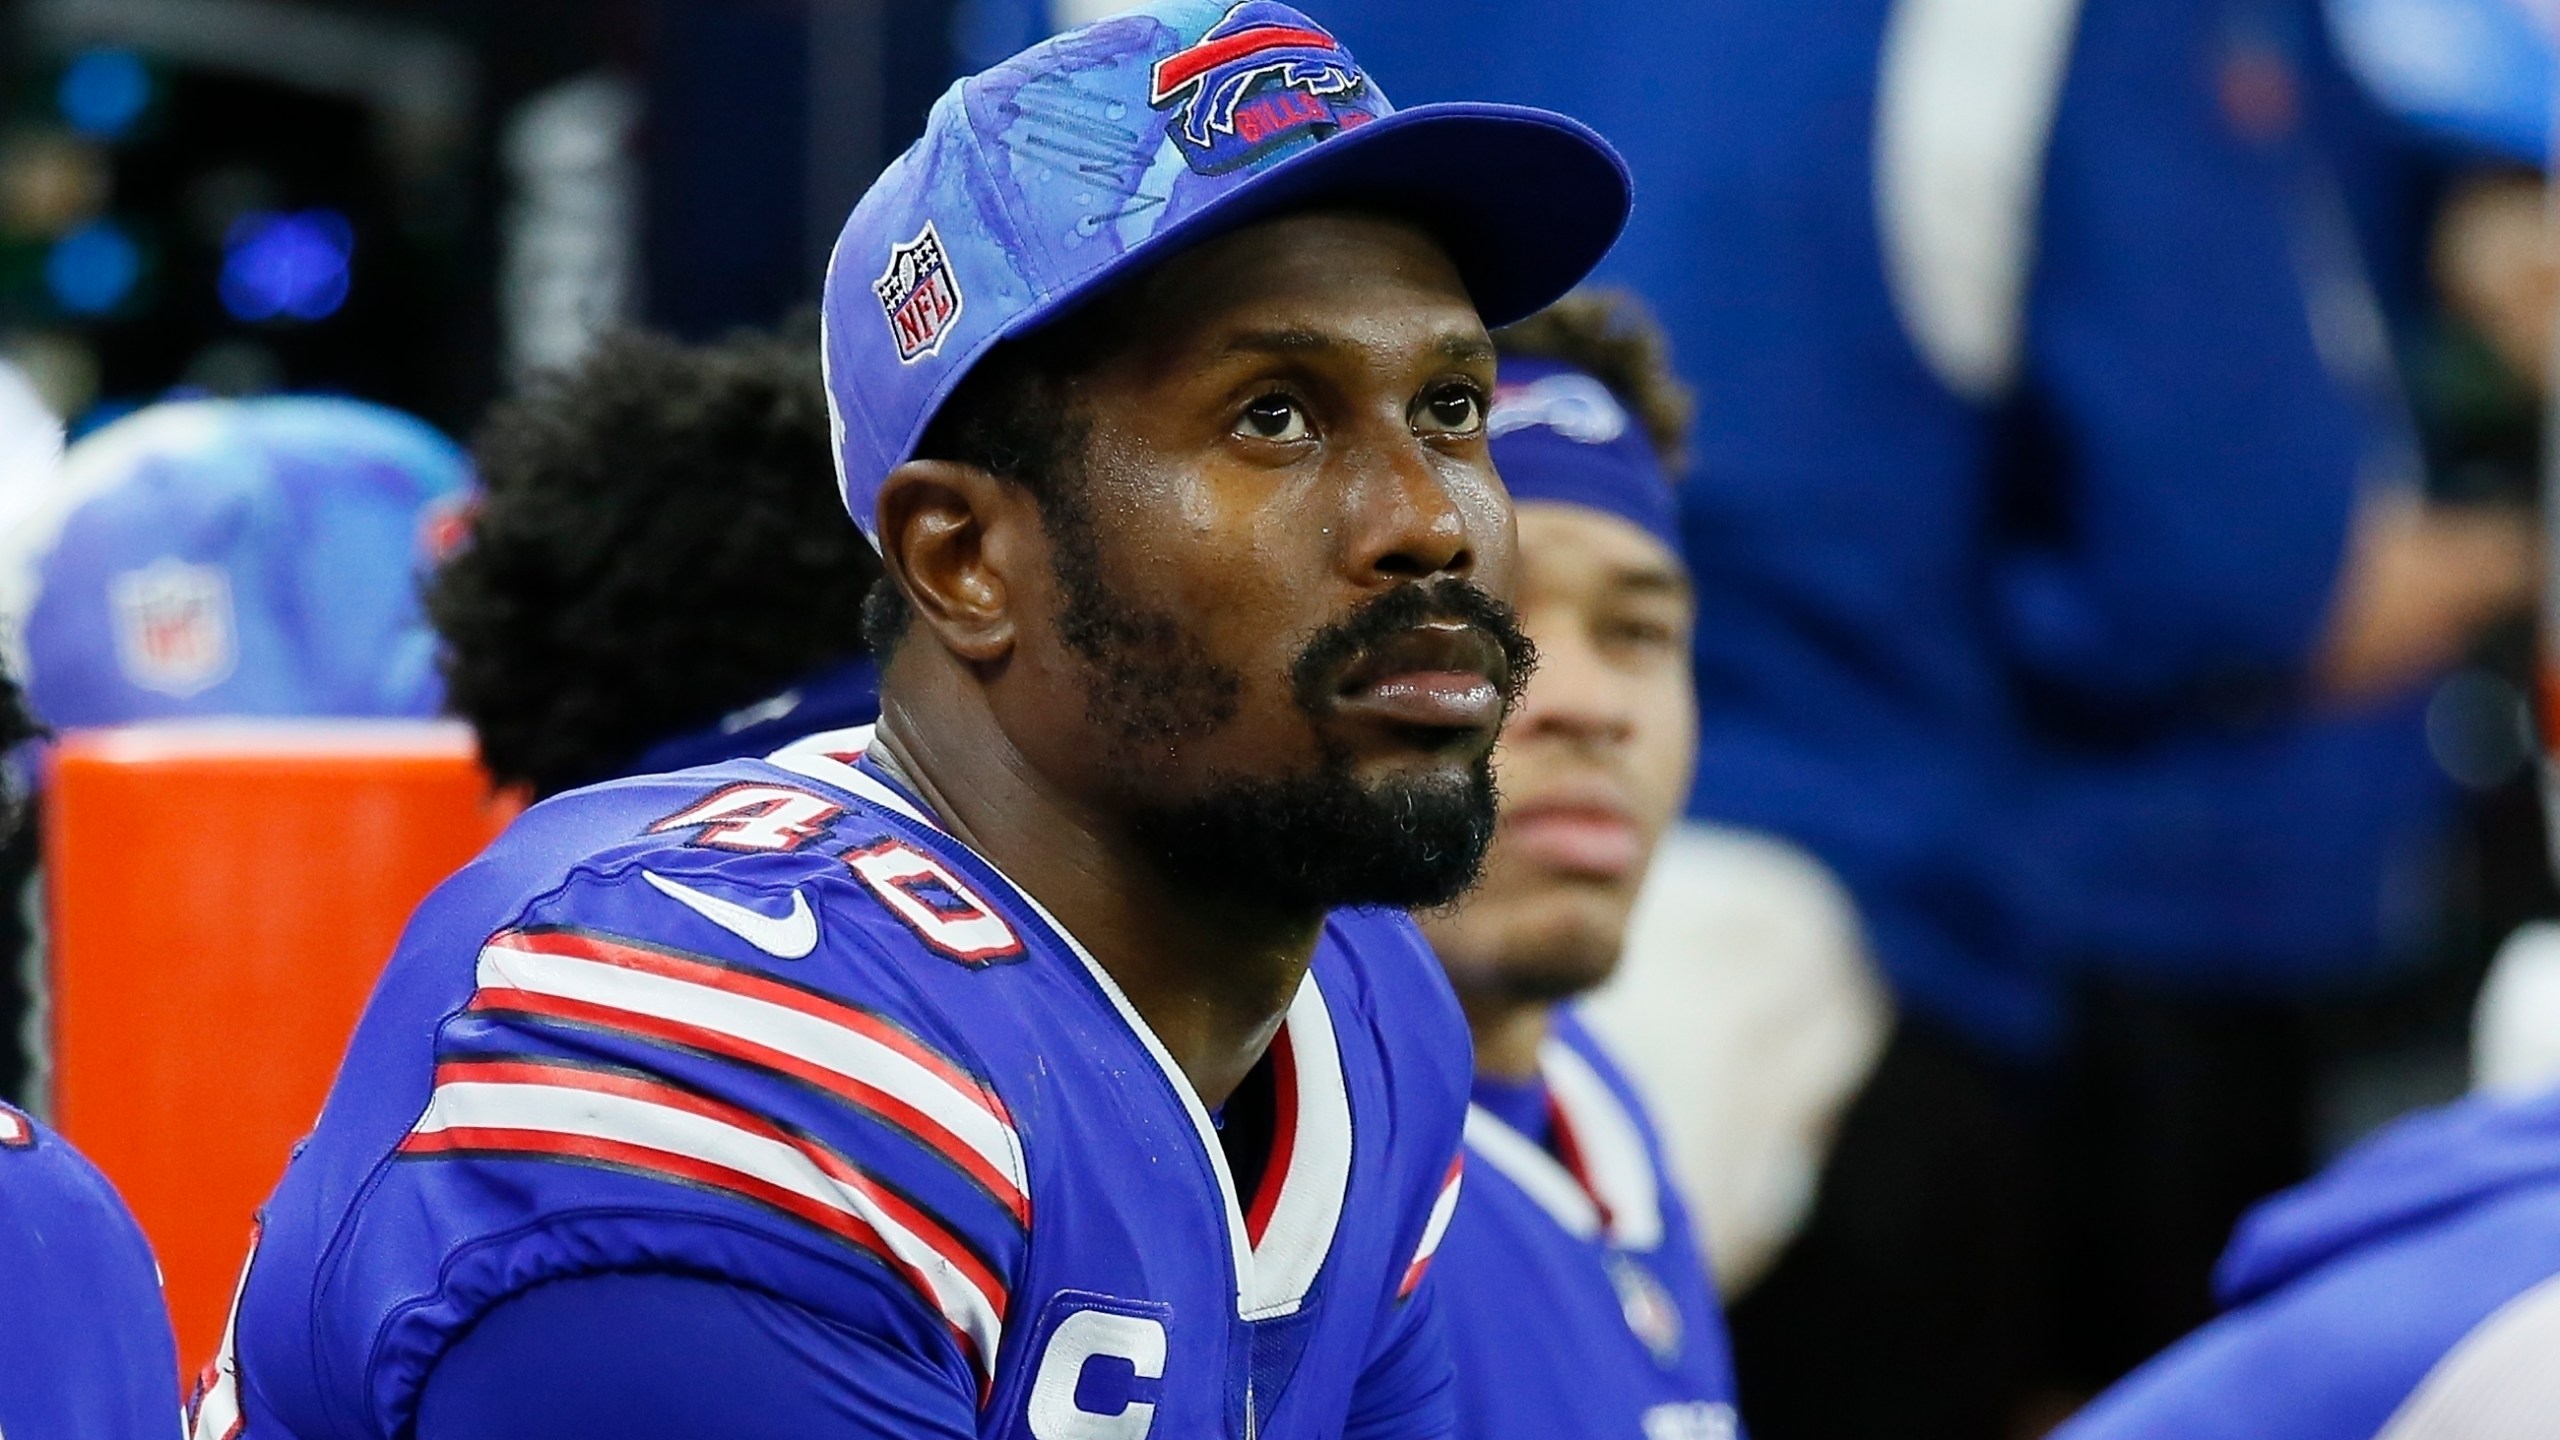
point(1002, 1072)
point(658, 573)
point(85, 1348)
point(1577, 1301)
point(2410, 1292)
point(236, 557)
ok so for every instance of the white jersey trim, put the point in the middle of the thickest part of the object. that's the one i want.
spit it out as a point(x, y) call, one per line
point(1622, 1176)
point(1272, 1279)
point(506, 964)
point(663, 1129)
point(818, 757)
point(1525, 1163)
point(1623, 1198)
point(2499, 1382)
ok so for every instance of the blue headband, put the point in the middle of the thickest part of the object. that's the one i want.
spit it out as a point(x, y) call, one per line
point(1560, 437)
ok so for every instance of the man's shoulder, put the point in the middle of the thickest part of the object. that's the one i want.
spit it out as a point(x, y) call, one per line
point(52, 1192)
point(796, 855)
point(83, 1304)
point(709, 1022)
point(2343, 1346)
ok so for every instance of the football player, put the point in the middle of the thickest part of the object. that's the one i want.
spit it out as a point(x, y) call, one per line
point(658, 573)
point(1012, 1069)
point(1578, 1303)
point(85, 1345)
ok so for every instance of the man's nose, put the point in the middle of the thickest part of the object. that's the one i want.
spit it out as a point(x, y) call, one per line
point(1417, 518)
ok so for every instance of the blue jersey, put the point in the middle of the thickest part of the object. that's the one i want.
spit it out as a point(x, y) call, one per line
point(85, 1348)
point(1576, 1300)
point(2416, 1280)
point(764, 1024)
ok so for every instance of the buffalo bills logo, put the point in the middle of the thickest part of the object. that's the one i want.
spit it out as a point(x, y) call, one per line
point(919, 294)
point(1263, 75)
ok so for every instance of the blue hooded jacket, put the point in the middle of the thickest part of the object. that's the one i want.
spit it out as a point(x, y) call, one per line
point(2344, 1294)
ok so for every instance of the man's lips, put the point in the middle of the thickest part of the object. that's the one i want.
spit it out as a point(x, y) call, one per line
point(1442, 676)
point(1587, 836)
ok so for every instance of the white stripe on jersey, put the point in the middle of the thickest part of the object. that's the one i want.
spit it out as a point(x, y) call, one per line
point(2500, 1382)
point(818, 757)
point(572, 1111)
point(1526, 1164)
point(1437, 1226)
point(1611, 1145)
point(1299, 1233)
point(811, 1039)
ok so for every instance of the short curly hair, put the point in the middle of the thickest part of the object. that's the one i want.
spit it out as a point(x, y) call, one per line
point(1612, 335)
point(659, 541)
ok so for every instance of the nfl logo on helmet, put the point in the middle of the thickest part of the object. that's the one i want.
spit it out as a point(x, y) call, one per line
point(174, 626)
point(919, 294)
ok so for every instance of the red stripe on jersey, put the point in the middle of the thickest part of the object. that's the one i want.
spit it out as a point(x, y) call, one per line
point(1569, 1151)
point(585, 945)
point(1284, 1136)
point(1437, 1226)
point(710, 1173)
point(879, 1104)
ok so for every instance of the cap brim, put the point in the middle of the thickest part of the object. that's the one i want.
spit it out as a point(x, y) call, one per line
point(1526, 201)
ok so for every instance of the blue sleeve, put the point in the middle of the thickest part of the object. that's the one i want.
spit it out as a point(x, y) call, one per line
point(2195, 461)
point(85, 1348)
point(2333, 1354)
point(1409, 1391)
point(672, 1357)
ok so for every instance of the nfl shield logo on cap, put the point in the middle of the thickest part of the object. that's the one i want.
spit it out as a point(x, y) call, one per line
point(919, 295)
point(174, 626)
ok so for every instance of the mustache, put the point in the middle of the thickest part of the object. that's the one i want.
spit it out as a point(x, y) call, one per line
point(1406, 608)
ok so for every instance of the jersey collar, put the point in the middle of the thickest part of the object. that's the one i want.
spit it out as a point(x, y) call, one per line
point(1599, 1180)
point(1280, 1245)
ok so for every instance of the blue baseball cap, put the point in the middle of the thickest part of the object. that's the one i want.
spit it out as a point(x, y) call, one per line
point(241, 557)
point(1107, 148)
point(2478, 72)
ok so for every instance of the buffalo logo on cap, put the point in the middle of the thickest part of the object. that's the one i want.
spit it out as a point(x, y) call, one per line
point(919, 295)
point(1261, 76)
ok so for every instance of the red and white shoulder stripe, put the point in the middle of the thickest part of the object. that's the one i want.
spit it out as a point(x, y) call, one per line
point(862, 1058)
point(1435, 1227)
point(635, 1123)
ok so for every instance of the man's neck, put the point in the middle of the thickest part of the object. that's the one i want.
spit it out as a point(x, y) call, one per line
point(1508, 1032)
point(1211, 979)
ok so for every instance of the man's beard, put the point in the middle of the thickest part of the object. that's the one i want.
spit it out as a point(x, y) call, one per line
point(1309, 841)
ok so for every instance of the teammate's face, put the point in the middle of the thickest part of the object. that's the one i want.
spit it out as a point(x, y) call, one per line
point(1593, 767)
point(1277, 577)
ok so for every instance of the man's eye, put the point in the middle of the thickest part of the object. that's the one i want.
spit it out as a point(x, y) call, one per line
point(1273, 417)
point(1457, 410)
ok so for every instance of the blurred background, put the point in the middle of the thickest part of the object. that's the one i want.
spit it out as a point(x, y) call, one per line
point(419, 204)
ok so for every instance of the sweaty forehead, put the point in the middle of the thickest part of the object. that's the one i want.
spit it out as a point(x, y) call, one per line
point(1307, 283)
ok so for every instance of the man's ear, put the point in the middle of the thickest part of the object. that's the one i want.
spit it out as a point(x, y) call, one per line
point(949, 533)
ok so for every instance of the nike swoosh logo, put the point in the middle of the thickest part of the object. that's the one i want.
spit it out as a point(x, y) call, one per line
point(784, 937)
